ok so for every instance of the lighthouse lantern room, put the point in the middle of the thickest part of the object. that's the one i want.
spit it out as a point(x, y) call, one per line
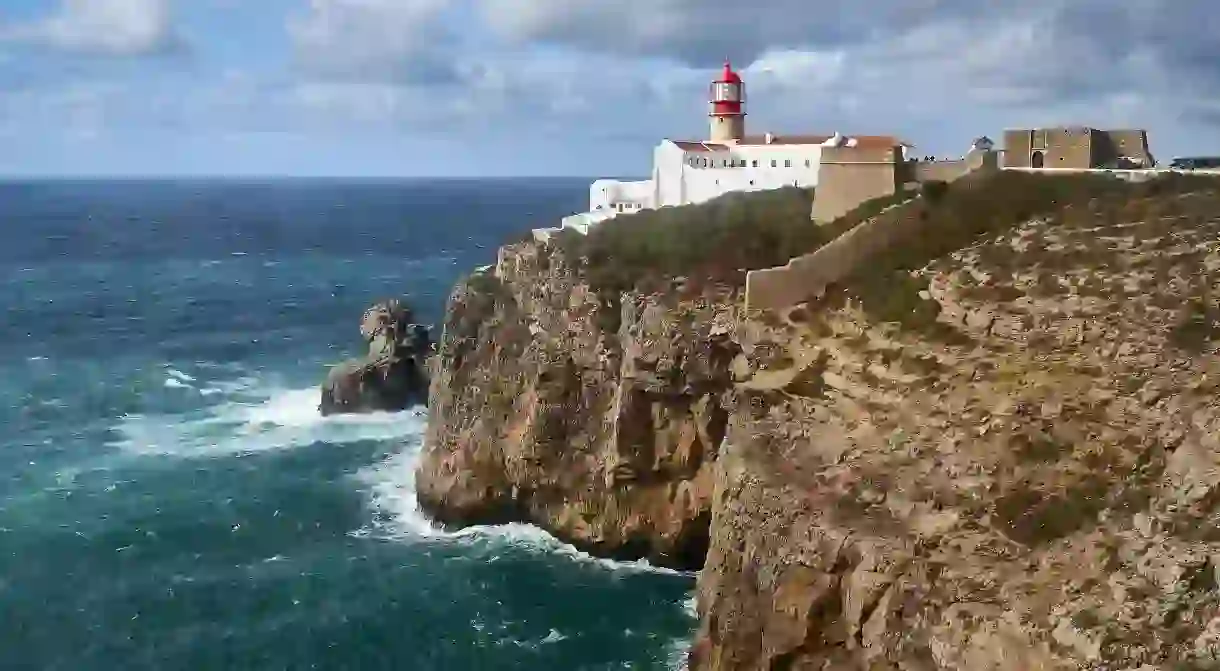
point(727, 95)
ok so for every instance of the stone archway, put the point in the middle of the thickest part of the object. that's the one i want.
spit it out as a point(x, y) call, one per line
point(1037, 160)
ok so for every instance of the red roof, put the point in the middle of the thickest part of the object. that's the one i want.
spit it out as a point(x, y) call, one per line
point(685, 145)
point(862, 141)
point(728, 75)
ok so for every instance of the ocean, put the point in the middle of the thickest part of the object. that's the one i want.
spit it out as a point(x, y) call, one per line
point(169, 496)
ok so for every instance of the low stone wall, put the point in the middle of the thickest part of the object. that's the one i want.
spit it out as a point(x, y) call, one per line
point(805, 277)
point(844, 188)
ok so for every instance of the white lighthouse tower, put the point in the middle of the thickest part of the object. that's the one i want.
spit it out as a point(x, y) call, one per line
point(727, 96)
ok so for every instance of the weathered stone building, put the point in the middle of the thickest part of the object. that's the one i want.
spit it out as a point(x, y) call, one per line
point(1076, 147)
point(849, 176)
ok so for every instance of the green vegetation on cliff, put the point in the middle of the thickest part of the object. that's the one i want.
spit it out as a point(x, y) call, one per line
point(720, 240)
point(953, 217)
point(717, 241)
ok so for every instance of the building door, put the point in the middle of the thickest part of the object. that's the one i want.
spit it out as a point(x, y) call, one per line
point(1036, 160)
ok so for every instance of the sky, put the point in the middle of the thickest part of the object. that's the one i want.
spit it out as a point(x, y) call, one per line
point(571, 87)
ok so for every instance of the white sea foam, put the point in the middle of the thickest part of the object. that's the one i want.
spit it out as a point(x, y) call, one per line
point(554, 636)
point(675, 660)
point(178, 375)
point(392, 494)
point(248, 416)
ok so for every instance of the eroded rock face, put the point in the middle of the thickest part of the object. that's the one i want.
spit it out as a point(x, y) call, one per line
point(1029, 483)
point(392, 376)
point(1019, 471)
point(597, 420)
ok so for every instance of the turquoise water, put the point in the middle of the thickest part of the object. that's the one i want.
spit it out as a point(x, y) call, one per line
point(169, 497)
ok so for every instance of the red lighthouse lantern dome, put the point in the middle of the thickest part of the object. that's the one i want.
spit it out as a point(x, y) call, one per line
point(728, 92)
point(727, 96)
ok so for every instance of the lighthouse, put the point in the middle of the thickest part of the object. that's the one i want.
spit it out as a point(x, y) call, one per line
point(727, 117)
point(685, 172)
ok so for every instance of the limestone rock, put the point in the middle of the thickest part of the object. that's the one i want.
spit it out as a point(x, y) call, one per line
point(597, 418)
point(1046, 497)
point(392, 376)
point(1024, 478)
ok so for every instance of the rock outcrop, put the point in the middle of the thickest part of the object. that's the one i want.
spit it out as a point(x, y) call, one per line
point(596, 419)
point(1004, 459)
point(1025, 479)
point(392, 376)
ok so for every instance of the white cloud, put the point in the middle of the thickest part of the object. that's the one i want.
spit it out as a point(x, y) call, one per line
point(395, 40)
point(566, 72)
point(110, 27)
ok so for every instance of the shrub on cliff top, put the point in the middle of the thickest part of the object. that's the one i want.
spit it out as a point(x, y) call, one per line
point(713, 241)
point(981, 206)
point(972, 208)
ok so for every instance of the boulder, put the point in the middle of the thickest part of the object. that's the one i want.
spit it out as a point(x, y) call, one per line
point(392, 376)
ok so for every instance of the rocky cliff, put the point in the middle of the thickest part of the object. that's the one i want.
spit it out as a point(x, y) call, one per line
point(596, 418)
point(1001, 457)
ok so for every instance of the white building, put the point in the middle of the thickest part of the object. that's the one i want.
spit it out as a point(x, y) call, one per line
point(686, 172)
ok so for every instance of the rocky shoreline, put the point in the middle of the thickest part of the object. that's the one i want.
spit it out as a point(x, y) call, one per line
point(392, 375)
point(1006, 459)
point(600, 428)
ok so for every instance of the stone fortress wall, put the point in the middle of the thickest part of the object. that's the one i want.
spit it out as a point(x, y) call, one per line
point(849, 177)
point(1077, 147)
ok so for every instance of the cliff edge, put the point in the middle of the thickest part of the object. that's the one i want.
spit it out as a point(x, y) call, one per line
point(598, 420)
point(989, 448)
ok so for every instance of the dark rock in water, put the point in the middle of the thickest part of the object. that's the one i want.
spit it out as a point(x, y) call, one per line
point(392, 376)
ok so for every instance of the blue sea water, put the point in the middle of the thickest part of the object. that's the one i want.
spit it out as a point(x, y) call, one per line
point(169, 496)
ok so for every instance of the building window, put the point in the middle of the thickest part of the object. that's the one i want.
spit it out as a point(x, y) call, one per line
point(773, 163)
point(807, 163)
point(787, 163)
point(755, 163)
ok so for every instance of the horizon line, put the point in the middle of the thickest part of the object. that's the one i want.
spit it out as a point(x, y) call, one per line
point(16, 177)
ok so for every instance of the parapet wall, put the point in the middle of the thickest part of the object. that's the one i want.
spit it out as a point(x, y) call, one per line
point(849, 176)
point(806, 277)
point(848, 179)
point(948, 171)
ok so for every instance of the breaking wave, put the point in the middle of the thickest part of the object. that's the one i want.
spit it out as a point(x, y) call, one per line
point(391, 486)
point(244, 415)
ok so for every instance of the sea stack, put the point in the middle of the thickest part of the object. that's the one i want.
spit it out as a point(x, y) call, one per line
point(392, 376)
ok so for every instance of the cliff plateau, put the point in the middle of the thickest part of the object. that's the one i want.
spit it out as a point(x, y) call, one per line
point(991, 449)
